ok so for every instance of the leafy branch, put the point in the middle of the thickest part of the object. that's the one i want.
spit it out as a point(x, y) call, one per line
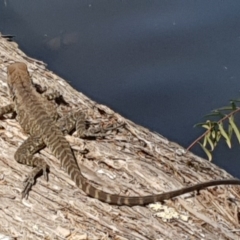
point(216, 130)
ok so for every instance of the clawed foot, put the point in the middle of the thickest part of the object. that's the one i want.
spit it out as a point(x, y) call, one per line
point(30, 180)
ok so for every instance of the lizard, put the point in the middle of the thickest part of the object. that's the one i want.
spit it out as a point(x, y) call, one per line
point(40, 120)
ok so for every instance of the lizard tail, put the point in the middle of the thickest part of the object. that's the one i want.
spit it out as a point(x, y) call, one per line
point(62, 150)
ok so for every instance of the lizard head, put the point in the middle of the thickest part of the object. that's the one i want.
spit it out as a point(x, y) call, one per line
point(17, 75)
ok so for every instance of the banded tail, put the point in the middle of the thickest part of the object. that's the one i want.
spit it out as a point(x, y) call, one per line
point(61, 149)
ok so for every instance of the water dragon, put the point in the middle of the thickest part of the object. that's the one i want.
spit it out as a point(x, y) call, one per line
point(39, 118)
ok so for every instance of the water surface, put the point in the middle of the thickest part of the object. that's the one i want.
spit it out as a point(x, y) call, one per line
point(163, 64)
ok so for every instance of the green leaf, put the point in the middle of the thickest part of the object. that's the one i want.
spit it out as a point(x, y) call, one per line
point(208, 127)
point(205, 141)
point(234, 127)
point(209, 155)
point(214, 114)
point(224, 134)
point(210, 143)
point(213, 134)
point(234, 107)
point(218, 136)
point(227, 108)
point(230, 130)
point(199, 124)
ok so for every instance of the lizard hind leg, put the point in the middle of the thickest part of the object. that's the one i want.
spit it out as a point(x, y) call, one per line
point(25, 155)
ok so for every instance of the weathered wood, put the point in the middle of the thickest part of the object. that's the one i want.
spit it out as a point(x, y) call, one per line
point(131, 161)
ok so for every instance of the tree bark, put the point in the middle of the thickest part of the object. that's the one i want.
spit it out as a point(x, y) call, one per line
point(128, 161)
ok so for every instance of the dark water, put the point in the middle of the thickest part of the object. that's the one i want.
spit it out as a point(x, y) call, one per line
point(162, 64)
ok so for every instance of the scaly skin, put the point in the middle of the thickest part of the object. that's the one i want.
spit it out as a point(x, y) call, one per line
point(39, 119)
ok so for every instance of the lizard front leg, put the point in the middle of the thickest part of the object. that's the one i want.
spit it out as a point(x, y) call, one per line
point(25, 155)
point(76, 121)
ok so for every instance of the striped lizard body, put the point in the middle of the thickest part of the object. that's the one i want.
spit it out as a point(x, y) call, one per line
point(39, 119)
